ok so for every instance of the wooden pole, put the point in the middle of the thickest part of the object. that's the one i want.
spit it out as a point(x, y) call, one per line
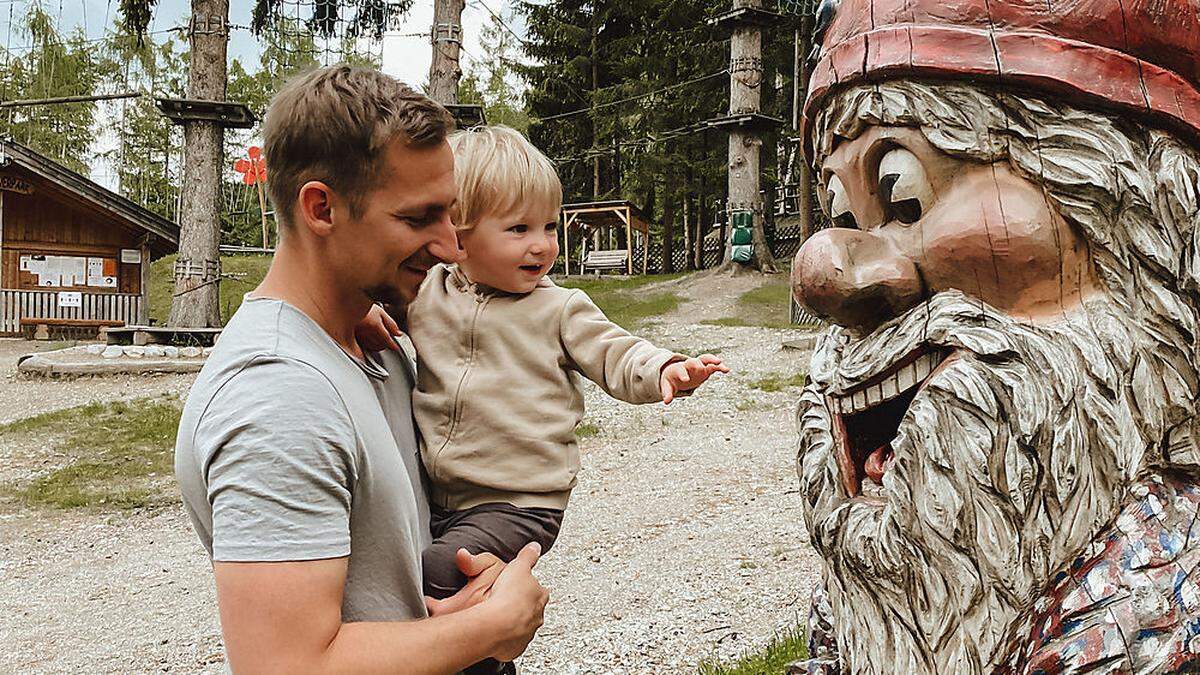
point(745, 144)
point(196, 300)
point(629, 241)
point(67, 99)
point(566, 243)
point(444, 68)
point(262, 207)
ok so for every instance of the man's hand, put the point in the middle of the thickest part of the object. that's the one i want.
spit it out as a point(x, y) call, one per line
point(517, 603)
point(687, 375)
point(481, 570)
point(375, 333)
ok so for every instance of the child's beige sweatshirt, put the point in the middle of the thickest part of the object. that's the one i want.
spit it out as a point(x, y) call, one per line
point(498, 396)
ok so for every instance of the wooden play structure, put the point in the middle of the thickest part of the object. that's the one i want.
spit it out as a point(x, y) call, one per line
point(596, 222)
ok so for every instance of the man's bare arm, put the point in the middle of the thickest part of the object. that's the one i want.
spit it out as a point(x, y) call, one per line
point(286, 617)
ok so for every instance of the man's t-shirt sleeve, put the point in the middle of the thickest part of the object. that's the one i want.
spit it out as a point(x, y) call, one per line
point(281, 465)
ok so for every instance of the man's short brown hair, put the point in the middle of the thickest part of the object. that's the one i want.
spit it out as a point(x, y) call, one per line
point(334, 124)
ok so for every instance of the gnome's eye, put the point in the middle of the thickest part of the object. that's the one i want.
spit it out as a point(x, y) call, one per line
point(902, 183)
point(839, 205)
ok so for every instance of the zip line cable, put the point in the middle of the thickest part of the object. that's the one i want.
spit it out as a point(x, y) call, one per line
point(648, 94)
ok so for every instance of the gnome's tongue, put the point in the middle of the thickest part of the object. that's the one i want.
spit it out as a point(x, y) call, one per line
point(878, 462)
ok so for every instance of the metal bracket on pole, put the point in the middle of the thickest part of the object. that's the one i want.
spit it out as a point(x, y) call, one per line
point(446, 32)
point(205, 271)
point(213, 24)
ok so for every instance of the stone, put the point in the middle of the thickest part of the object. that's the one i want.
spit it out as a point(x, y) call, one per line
point(95, 350)
point(155, 351)
point(207, 351)
point(190, 352)
point(171, 352)
point(134, 351)
point(112, 352)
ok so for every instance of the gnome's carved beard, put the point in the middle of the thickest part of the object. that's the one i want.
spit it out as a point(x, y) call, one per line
point(1006, 463)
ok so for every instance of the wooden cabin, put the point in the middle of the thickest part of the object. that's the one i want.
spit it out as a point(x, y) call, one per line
point(74, 256)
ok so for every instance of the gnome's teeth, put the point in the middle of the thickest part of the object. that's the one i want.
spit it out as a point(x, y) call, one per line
point(869, 416)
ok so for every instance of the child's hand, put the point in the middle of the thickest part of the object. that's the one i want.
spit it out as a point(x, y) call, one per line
point(375, 332)
point(687, 375)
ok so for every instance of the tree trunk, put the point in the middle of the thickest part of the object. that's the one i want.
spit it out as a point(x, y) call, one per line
point(745, 146)
point(702, 226)
point(668, 230)
point(804, 174)
point(444, 68)
point(198, 267)
point(687, 234)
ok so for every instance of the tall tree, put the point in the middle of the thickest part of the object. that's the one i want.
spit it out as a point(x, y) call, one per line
point(145, 161)
point(195, 301)
point(494, 83)
point(445, 71)
point(54, 66)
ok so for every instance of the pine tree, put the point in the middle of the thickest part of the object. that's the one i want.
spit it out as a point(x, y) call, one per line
point(55, 66)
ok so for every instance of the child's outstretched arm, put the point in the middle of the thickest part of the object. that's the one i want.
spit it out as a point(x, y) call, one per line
point(627, 367)
point(683, 376)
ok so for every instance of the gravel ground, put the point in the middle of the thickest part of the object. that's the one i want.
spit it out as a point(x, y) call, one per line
point(22, 397)
point(683, 541)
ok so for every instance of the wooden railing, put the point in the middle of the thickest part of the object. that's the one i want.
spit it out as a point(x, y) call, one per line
point(18, 304)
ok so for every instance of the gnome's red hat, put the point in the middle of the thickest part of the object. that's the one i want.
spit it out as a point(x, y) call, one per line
point(1132, 56)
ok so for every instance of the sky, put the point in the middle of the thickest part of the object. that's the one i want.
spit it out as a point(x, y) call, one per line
point(405, 50)
point(405, 55)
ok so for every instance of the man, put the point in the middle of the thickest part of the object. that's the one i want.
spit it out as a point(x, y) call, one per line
point(296, 453)
point(1000, 447)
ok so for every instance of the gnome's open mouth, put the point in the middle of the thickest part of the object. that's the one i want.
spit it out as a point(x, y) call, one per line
point(868, 416)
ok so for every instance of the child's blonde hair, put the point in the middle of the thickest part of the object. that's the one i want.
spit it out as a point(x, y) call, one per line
point(498, 171)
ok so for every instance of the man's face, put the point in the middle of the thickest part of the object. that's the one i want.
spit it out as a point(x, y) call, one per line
point(512, 252)
point(404, 227)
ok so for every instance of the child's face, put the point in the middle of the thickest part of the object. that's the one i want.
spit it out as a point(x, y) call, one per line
point(511, 252)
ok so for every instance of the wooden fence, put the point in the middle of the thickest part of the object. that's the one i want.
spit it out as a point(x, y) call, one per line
point(18, 304)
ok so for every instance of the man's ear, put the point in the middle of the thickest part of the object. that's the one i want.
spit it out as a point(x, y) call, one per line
point(314, 208)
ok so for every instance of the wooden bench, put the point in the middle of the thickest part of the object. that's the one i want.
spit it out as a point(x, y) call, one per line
point(606, 260)
point(42, 326)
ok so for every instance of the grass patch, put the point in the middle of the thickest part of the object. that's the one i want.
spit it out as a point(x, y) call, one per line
point(586, 430)
point(746, 404)
point(786, 647)
point(766, 306)
point(619, 300)
point(778, 382)
point(162, 284)
point(734, 321)
point(119, 451)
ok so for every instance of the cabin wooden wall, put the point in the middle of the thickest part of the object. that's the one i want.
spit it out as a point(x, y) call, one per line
point(51, 222)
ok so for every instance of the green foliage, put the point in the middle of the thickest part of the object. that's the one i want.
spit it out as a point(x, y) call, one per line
point(586, 430)
point(57, 65)
point(767, 306)
point(492, 84)
point(624, 300)
point(786, 647)
point(250, 270)
point(779, 382)
point(148, 160)
point(588, 54)
point(120, 454)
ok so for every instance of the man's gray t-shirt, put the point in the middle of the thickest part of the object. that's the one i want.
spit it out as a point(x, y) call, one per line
point(290, 449)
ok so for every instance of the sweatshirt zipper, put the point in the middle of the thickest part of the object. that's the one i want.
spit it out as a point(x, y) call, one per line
point(455, 414)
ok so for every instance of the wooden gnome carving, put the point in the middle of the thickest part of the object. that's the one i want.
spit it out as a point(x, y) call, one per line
point(1000, 447)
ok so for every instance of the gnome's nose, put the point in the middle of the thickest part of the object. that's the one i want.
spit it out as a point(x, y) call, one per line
point(854, 278)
